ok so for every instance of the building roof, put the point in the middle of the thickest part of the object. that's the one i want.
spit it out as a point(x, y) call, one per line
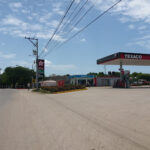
point(81, 76)
point(136, 59)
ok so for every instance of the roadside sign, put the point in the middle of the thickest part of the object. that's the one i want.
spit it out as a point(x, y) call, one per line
point(41, 68)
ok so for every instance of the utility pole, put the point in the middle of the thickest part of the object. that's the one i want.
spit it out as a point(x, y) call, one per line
point(34, 41)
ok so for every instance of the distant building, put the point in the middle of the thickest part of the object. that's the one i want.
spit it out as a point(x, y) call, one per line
point(106, 81)
point(88, 80)
point(58, 78)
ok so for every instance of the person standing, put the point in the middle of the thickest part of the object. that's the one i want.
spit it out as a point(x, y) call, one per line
point(28, 86)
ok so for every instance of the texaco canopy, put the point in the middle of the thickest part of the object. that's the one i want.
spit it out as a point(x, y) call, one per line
point(126, 59)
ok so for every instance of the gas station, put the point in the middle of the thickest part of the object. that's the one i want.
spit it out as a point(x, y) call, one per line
point(121, 59)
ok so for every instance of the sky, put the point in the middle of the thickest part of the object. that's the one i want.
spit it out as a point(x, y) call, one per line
point(123, 29)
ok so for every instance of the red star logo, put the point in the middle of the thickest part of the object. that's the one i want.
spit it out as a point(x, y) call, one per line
point(41, 63)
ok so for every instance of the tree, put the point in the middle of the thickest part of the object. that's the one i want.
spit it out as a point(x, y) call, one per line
point(92, 73)
point(101, 74)
point(17, 75)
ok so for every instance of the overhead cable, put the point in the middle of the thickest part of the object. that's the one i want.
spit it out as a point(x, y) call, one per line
point(95, 19)
point(62, 19)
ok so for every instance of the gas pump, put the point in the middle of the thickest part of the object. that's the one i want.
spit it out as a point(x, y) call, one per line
point(123, 82)
point(125, 78)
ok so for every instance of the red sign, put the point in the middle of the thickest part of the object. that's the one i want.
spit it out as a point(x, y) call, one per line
point(135, 56)
point(61, 83)
point(40, 64)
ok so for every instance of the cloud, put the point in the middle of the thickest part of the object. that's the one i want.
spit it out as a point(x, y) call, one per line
point(135, 10)
point(16, 27)
point(83, 40)
point(142, 27)
point(131, 26)
point(30, 18)
point(77, 1)
point(130, 11)
point(7, 56)
point(57, 8)
point(21, 63)
point(11, 20)
point(49, 64)
point(43, 23)
point(45, 18)
point(143, 42)
point(24, 11)
point(15, 5)
point(124, 19)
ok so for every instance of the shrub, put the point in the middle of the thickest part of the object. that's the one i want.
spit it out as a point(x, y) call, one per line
point(53, 89)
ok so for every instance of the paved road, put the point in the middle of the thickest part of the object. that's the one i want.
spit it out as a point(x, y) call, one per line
point(96, 119)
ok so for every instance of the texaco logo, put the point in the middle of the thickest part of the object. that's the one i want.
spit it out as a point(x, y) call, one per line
point(132, 56)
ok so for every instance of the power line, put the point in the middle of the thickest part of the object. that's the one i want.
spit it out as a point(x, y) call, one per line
point(71, 14)
point(80, 19)
point(76, 23)
point(62, 19)
point(78, 12)
point(68, 21)
point(99, 16)
point(90, 8)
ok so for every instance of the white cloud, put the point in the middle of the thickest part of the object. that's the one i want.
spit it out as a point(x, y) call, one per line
point(75, 29)
point(7, 56)
point(77, 1)
point(45, 50)
point(30, 18)
point(16, 27)
point(59, 38)
point(21, 63)
point(131, 26)
point(10, 20)
point(142, 27)
point(13, 21)
point(58, 11)
point(53, 23)
point(35, 27)
point(124, 19)
point(135, 10)
point(57, 8)
point(143, 42)
point(15, 5)
point(45, 18)
point(83, 40)
point(49, 64)
point(25, 11)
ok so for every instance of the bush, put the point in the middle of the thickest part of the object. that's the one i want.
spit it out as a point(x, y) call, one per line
point(54, 89)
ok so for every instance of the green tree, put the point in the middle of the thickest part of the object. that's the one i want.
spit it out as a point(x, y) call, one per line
point(101, 74)
point(92, 73)
point(17, 75)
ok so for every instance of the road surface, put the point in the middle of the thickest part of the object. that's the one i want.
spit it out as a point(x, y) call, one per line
point(95, 119)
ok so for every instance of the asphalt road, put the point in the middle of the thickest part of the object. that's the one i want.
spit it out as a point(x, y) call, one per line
point(95, 119)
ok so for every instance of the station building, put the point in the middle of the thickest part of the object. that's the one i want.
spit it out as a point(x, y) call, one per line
point(122, 58)
point(89, 80)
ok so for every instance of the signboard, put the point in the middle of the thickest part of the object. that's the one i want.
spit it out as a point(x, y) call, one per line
point(41, 67)
point(132, 56)
point(137, 59)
